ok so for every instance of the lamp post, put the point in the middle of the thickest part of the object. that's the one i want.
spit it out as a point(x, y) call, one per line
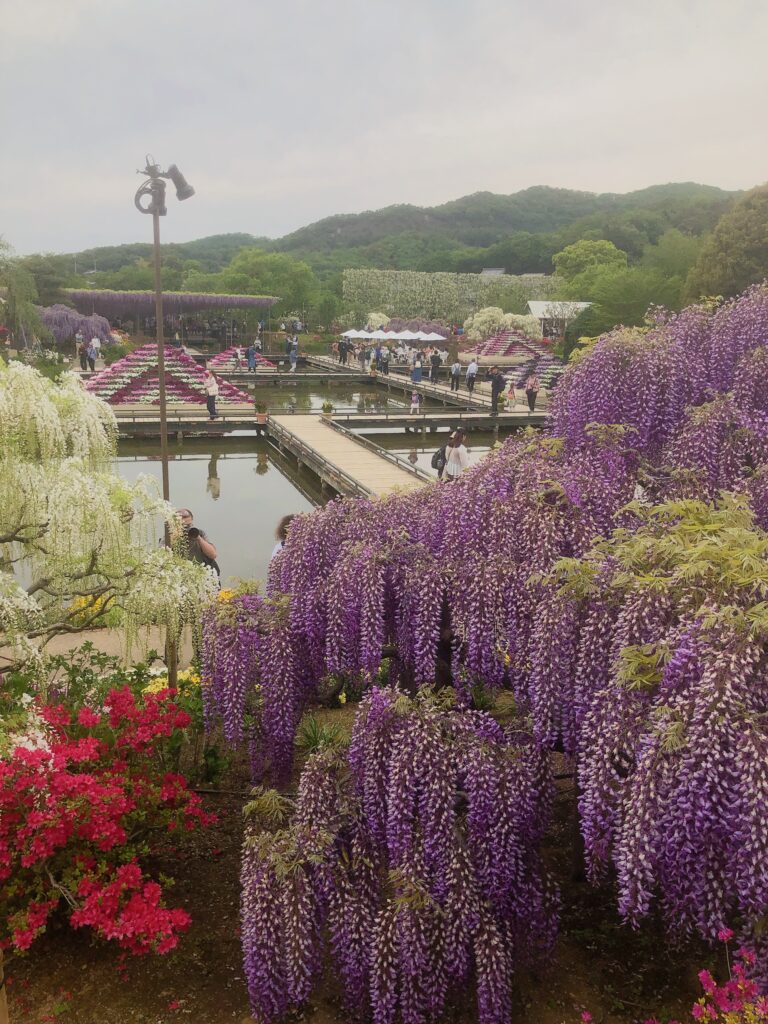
point(153, 189)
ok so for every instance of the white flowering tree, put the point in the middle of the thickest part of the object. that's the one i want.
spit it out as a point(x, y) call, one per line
point(75, 539)
point(376, 320)
point(411, 294)
point(492, 319)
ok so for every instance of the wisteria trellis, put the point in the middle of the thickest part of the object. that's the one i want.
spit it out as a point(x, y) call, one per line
point(649, 672)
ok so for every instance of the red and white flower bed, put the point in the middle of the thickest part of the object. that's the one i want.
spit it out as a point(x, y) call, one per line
point(227, 360)
point(134, 379)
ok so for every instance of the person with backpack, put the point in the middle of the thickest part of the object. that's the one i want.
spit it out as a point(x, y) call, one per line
point(455, 375)
point(497, 386)
point(438, 461)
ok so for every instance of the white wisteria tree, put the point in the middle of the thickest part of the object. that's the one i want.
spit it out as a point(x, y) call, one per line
point(491, 319)
point(75, 539)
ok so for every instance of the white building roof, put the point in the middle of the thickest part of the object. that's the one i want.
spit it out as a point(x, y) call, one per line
point(556, 310)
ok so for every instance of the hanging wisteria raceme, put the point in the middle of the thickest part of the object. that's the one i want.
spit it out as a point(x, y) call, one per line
point(254, 681)
point(673, 730)
point(621, 654)
point(647, 380)
point(411, 863)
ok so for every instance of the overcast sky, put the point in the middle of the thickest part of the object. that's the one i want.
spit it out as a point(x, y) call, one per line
point(281, 112)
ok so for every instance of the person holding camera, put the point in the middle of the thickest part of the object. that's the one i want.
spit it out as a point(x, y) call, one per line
point(197, 547)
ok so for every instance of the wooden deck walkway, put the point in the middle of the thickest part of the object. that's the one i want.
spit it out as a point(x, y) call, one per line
point(348, 464)
point(400, 380)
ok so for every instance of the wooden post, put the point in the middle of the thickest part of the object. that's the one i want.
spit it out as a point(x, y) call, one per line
point(4, 1018)
point(171, 660)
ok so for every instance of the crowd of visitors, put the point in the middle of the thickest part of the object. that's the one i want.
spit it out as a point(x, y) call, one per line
point(381, 357)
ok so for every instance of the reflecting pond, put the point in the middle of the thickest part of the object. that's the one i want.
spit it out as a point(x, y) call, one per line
point(345, 397)
point(238, 489)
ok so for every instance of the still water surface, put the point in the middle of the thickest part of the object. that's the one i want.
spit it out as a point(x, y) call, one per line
point(238, 487)
point(236, 490)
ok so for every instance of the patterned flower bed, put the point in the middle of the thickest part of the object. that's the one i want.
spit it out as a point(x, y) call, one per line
point(227, 360)
point(134, 379)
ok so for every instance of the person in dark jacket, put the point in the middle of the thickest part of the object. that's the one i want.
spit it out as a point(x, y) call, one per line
point(497, 386)
point(434, 364)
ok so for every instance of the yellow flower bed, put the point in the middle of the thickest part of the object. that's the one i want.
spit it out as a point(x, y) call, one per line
point(186, 679)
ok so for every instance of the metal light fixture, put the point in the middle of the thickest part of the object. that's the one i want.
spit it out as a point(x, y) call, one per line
point(150, 198)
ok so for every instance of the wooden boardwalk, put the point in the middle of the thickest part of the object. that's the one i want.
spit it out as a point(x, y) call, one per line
point(348, 464)
point(400, 380)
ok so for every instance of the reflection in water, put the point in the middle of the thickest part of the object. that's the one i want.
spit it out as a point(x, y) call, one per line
point(214, 484)
point(345, 397)
point(413, 456)
point(241, 500)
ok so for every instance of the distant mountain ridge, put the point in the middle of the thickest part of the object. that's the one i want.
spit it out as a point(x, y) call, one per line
point(419, 236)
point(483, 218)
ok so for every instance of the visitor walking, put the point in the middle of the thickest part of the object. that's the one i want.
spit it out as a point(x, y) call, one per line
point(471, 375)
point(293, 359)
point(417, 368)
point(455, 375)
point(281, 533)
point(456, 456)
point(385, 361)
point(91, 355)
point(251, 354)
point(238, 358)
point(96, 345)
point(82, 352)
point(211, 394)
point(434, 363)
point(532, 388)
point(415, 403)
point(511, 397)
point(497, 386)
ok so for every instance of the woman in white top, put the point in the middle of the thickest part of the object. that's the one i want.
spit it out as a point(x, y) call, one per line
point(212, 393)
point(456, 456)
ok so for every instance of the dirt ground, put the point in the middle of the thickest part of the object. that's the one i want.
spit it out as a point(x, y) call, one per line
point(599, 963)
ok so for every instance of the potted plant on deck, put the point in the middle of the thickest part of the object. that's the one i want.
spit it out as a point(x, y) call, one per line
point(327, 408)
point(261, 418)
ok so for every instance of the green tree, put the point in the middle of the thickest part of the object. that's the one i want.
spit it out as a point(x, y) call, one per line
point(19, 310)
point(255, 272)
point(50, 273)
point(674, 254)
point(137, 277)
point(581, 256)
point(622, 295)
point(736, 255)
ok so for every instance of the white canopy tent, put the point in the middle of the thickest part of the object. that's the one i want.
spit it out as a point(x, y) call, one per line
point(393, 335)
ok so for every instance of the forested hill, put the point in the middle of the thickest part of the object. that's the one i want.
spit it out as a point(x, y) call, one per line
point(485, 218)
point(519, 232)
point(212, 253)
